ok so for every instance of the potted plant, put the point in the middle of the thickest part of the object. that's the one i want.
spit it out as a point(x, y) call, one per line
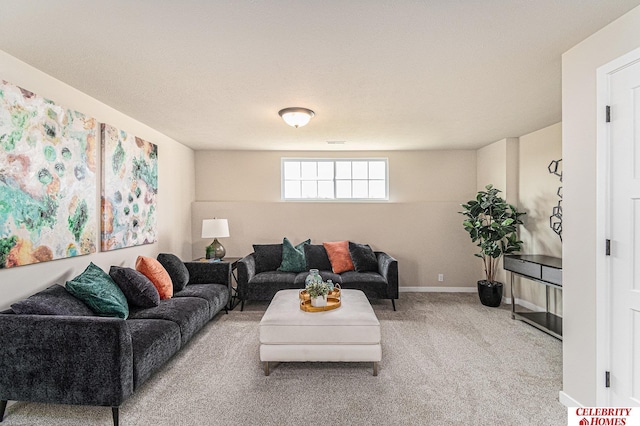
point(491, 223)
point(318, 293)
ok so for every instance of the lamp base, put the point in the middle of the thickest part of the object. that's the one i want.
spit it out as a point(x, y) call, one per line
point(215, 250)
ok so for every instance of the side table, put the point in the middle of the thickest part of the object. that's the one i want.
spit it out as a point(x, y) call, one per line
point(229, 264)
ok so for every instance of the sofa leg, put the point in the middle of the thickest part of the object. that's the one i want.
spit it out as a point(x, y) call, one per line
point(3, 406)
point(242, 305)
point(115, 411)
point(393, 302)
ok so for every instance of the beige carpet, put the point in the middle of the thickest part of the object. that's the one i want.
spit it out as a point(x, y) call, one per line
point(446, 360)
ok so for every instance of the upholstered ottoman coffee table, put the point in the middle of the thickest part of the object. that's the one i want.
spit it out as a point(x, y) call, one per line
point(350, 333)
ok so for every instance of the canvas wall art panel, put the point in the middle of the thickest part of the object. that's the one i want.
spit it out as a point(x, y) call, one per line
point(129, 189)
point(48, 204)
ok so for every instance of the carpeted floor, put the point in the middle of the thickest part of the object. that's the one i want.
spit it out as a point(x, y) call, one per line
point(446, 360)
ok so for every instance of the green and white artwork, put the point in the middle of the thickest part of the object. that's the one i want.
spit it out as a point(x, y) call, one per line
point(48, 207)
point(129, 189)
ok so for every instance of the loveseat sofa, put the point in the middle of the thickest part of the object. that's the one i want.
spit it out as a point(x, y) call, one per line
point(261, 274)
point(69, 355)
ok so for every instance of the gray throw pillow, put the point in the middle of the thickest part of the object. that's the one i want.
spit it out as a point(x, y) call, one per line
point(137, 288)
point(54, 300)
point(316, 257)
point(268, 257)
point(364, 259)
point(176, 269)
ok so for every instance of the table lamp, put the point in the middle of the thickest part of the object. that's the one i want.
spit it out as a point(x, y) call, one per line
point(215, 228)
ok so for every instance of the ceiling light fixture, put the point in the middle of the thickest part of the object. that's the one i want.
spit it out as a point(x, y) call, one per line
point(296, 117)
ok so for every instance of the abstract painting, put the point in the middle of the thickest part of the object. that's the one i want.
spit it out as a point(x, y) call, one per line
point(129, 189)
point(48, 206)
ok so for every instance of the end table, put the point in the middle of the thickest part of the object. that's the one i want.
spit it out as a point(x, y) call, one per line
point(230, 264)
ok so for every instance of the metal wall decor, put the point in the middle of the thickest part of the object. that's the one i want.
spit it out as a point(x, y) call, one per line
point(555, 220)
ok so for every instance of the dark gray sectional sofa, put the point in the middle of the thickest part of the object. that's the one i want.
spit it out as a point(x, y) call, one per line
point(93, 360)
point(260, 279)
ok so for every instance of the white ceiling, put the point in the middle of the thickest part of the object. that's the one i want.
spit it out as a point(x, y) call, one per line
point(380, 75)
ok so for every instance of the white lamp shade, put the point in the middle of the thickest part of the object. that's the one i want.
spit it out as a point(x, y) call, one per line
point(215, 228)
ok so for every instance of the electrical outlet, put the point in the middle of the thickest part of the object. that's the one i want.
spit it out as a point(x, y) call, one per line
point(440, 277)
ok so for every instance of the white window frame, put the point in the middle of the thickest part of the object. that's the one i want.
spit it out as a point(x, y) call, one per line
point(283, 160)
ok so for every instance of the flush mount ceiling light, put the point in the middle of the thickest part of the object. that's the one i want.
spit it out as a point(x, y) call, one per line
point(296, 117)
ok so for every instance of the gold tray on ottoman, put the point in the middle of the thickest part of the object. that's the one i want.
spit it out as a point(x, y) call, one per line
point(333, 301)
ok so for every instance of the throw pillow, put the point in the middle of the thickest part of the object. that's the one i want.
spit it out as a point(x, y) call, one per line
point(176, 269)
point(137, 288)
point(96, 288)
point(316, 257)
point(293, 259)
point(156, 273)
point(339, 256)
point(364, 259)
point(54, 300)
point(268, 257)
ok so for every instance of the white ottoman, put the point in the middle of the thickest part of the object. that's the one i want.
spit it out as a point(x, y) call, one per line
point(350, 333)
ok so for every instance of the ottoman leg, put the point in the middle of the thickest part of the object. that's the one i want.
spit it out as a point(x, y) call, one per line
point(266, 368)
point(375, 368)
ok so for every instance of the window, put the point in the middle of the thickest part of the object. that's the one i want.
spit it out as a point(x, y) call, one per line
point(334, 179)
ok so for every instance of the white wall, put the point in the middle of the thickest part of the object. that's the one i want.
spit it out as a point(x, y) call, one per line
point(176, 186)
point(582, 378)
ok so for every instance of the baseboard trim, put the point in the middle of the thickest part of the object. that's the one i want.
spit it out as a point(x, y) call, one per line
point(568, 401)
point(437, 289)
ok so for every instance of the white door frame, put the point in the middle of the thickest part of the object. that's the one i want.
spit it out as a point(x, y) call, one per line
point(603, 229)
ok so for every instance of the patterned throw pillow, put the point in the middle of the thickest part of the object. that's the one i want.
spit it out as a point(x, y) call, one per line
point(137, 288)
point(293, 259)
point(156, 273)
point(339, 256)
point(176, 269)
point(98, 291)
point(364, 259)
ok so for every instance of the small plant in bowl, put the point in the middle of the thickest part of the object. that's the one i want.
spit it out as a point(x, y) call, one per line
point(318, 293)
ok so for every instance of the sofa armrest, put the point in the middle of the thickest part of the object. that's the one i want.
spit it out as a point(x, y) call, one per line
point(246, 271)
point(65, 359)
point(388, 268)
point(209, 272)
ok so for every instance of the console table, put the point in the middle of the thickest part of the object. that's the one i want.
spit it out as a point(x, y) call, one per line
point(545, 270)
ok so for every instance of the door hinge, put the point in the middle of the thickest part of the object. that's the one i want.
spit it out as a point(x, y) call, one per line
point(608, 114)
point(607, 379)
point(607, 250)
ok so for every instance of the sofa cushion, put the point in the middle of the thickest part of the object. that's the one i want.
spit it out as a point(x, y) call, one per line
point(54, 300)
point(96, 288)
point(137, 288)
point(268, 257)
point(286, 278)
point(338, 252)
point(363, 257)
point(190, 313)
point(217, 295)
point(293, 259)
point(372, 283)
point(156, 273)
point(316, 257)
point(326, 275)
point(176, 269)
point(154, 342)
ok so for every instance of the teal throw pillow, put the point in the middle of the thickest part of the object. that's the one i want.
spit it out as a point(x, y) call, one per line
point(98, 291)
point(293, 259)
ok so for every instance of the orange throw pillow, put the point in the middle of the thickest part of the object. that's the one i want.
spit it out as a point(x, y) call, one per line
point(339, 256)
point(152, 269)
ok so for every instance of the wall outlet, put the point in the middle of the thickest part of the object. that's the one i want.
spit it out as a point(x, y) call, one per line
point(440, 277)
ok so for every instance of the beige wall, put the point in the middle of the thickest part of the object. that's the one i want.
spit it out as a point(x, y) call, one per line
point(175, 186)
point(419, 225)
point(583, 244)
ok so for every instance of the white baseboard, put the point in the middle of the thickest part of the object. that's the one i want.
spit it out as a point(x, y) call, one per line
point(567, 401)
point(438, 289)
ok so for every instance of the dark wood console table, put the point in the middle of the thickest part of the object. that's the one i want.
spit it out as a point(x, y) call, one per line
point(545, 270)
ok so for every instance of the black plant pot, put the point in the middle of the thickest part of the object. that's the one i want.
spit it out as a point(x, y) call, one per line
point(490, 293)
